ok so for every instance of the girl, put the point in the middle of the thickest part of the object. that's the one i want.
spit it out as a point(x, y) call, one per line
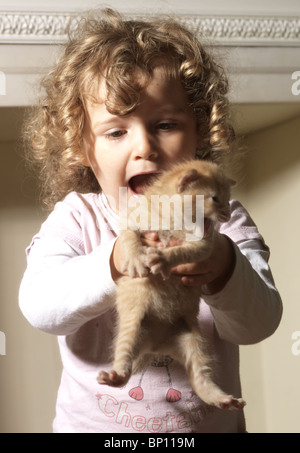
point(129, 99)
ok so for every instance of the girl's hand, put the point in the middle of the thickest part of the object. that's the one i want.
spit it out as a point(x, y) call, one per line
point(214, 272)
point(117, 258)
point(150, 238)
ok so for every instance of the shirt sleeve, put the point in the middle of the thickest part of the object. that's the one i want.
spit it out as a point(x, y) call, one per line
point(62, 289)
point(249, 308)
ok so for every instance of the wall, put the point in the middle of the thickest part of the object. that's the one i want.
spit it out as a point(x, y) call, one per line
point(271, 192)
point(30, 370)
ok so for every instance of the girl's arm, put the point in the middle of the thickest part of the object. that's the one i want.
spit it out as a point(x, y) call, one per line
point(62, 289)
point(248, 309)
point(237, 282)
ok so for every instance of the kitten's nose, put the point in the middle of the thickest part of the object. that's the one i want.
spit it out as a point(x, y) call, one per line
point(224, 215)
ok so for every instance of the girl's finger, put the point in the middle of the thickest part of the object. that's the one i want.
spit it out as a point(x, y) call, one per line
point(195, 280)
point(191, 269)
point(151, 239)
point(151, 235)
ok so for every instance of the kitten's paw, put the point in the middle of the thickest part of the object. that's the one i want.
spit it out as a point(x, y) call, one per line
point(157, 262)
point(112, 378)
point(136, 267)
point(230, 403)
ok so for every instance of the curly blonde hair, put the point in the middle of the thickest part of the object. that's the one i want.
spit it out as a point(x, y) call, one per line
point(111, 48)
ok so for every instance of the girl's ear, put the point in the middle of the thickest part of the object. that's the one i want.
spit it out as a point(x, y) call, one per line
point(186, 179)
point(84, 161)
point(83, 157)
point(232, 182)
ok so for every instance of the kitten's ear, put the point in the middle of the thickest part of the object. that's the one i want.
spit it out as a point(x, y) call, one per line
point(186, 179)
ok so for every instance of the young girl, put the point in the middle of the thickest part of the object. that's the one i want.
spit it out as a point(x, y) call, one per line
point(129, 99)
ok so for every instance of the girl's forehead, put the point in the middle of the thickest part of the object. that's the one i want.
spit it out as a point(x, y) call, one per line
point(160, 79)
point(157, 101)
point(158, 90)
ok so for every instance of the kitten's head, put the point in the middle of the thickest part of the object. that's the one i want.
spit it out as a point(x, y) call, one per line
point(207, 179)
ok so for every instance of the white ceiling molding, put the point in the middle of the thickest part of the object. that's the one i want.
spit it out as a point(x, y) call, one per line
point(261, 53)
point(23, 27)
point(246, 30)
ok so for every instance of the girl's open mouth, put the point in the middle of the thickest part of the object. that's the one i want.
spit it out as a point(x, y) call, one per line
point(139, 183)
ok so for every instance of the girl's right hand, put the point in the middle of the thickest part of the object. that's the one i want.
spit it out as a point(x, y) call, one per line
point(117, 260)
point(149, 238)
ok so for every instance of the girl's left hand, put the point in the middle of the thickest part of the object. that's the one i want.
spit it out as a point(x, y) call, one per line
point(212, 273)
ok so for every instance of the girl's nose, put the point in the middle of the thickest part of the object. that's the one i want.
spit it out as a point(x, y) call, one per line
point(144, 145)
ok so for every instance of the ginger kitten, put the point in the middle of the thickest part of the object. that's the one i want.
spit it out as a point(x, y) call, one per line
point(157, 314)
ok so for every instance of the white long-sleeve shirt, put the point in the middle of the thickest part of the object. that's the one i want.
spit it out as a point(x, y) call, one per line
point(67, 290)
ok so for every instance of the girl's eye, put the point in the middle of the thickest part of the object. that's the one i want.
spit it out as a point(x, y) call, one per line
point(115, 134)
point(166, 126)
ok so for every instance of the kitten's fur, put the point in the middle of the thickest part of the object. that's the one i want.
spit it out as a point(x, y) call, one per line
point(157, 313)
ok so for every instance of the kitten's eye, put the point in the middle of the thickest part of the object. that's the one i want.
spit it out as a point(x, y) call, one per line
point(215, 199)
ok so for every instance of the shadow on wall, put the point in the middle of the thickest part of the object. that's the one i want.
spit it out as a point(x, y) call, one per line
point(271, 194)
point(278, 153)
point(17, 186)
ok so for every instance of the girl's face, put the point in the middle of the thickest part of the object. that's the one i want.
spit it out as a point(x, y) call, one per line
point(124, 151)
